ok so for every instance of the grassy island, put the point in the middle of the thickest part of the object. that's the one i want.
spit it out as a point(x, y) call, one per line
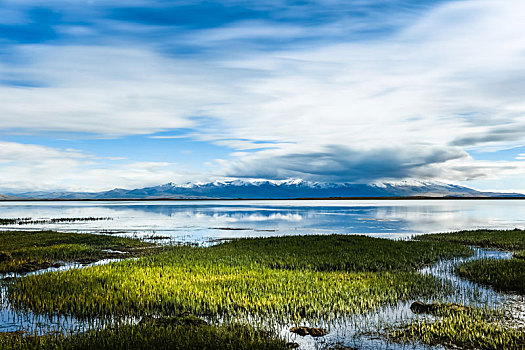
point(505, 275)
point(26, 251)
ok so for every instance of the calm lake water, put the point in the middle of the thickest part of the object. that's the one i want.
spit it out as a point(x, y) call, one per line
point(204, 221)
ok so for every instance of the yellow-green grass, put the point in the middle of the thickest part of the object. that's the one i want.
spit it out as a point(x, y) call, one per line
point(274, 278)
point(504, 275)
point(511, 240)
point(152, 336)
point(467, 328)
point(24, 251)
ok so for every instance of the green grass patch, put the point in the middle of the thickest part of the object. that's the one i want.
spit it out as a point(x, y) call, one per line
point(337, 253)
point(161, 335)
point(519, 254)
point(502, 239)
point(287, 278)
point(467, 329)
point(504, 275)
point(23, 251)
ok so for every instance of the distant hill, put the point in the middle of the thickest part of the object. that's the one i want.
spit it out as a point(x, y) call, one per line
point(7, 197)
point(272, 189)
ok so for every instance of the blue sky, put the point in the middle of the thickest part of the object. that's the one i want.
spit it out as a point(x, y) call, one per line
point(102, 94)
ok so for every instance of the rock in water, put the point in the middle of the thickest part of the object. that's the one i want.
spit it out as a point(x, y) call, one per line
point(419, 307)
point(318, 332)
point(314, 332)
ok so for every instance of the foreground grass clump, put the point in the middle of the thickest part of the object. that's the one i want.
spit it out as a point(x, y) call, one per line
point(464, 328)
point(241, 278)
point(162, 335)
point(23, 251)
point(505, 275)
point(502, 239)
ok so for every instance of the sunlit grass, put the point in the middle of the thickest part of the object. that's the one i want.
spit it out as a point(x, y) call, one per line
point(469, 328)
point(288, 278)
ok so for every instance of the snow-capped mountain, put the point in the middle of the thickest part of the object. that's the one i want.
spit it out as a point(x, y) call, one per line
point(264, 189)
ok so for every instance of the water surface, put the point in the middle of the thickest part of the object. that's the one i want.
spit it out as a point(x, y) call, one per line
point(201, 221)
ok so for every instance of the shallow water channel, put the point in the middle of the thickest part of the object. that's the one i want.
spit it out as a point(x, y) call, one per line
point(358, 331)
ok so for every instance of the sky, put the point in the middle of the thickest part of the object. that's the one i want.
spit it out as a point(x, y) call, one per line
point(101, 94)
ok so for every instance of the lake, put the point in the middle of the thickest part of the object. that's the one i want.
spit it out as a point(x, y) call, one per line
point(208, 221)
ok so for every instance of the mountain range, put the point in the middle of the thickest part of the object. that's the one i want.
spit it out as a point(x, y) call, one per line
point(265, 189)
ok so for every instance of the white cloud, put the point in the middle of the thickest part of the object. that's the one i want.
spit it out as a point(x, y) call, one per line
point(34, 167)
point(450, 82)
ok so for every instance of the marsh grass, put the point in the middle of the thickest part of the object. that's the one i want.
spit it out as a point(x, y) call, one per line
point(511, 240)
point(519, 254)
point(23, 251)
point(338, 253)
point(164, 335)
point(504, 275)
point(468, 328)
point(29, 221)
point(282, 279)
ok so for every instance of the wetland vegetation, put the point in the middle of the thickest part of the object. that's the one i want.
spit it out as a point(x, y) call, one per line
point(25, 251)
point(172, 333)
point(29, 221)
point(288, 278)
point(464, 328)
point(265, 282)
point(511, 240)
point(505, 275)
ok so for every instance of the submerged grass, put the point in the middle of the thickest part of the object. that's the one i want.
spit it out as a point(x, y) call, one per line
point(286, 278)
point(23, 251)
point(467, 328)
point(166, 335)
